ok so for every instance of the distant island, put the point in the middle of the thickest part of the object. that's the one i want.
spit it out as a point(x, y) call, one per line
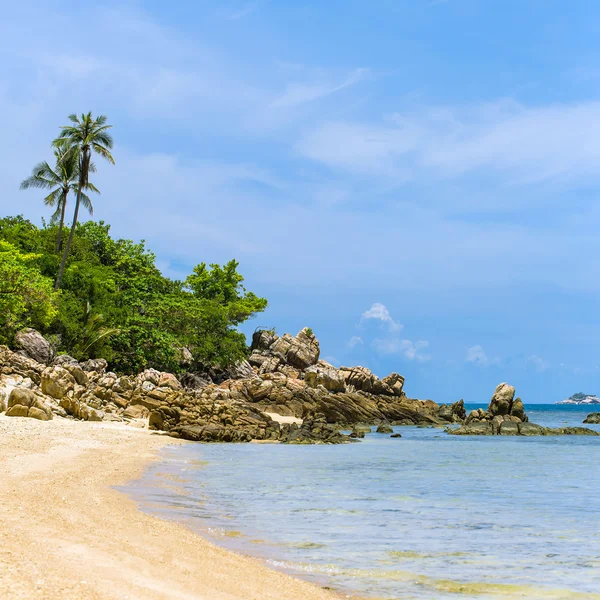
point(581, 398)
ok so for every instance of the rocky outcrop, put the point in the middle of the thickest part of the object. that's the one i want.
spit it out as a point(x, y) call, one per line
point(506, 416)
point(283, 376)
point(592, 418)
point(502, 407)
point(32, 344)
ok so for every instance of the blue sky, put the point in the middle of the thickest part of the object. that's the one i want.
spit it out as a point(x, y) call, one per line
point(415, 180)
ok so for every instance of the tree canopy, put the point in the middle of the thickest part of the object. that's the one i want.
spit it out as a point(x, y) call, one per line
point(116, 304)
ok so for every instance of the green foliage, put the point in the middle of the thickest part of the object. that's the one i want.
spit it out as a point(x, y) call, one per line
point(26, 296)
point(115, 303)
point(309, 331)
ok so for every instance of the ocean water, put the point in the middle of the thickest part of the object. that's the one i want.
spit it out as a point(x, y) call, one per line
point(427, 516)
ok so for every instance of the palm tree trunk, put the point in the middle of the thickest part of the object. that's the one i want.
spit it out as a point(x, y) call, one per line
point(63, 262)
point(62, 222)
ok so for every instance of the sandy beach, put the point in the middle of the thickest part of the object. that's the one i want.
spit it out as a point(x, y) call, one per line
point(66, 533)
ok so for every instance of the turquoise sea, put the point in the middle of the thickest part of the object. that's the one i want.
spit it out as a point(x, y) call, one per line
point(428, 516)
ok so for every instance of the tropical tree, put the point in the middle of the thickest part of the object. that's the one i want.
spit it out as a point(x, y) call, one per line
point(63, 179)
point(79, 141)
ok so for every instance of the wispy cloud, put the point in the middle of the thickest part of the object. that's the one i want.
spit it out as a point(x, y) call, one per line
point(538, 362)
point(529, 144)
point(379, 312)
point(410, 350)
point(354, 341)
point(300, 93)
point(477, 356)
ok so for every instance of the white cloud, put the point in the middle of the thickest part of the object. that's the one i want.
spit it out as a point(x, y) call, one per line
point(529, 144)
point(477, 356)
point(379, 312)
point(354, 341)
point(538, 362)
point(410, 350)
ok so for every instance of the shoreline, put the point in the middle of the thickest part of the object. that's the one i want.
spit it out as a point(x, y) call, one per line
point(66, 532)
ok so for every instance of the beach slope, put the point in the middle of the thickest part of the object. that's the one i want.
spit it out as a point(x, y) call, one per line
point(65, 533)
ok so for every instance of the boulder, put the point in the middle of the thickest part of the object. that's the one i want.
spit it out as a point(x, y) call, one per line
point(502, 400)
point(592, 418)
point(395, 435)
point(80, 410)
point(361, 428)
point(518, 410)
point(572, 431)
point(57, 382)
point(136, 412)
point(79, 375)
point(32, 344)
point(473, 428)
point(531, 429)
point(326, 375)
point(240, 370)
point(98, 365)
point(361, 379)
point(25, 403)
point(263, 339)
point(64, 359)
point(509, 428)
point(385, 428)
point(395, 383)
point(301, 351)
point(314, 430)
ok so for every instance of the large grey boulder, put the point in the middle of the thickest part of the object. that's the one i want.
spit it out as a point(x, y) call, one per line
point(34, 345)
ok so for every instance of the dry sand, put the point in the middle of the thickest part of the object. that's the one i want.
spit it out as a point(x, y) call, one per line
point(66, 534)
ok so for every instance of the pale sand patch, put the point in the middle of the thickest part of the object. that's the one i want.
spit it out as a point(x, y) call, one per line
point(281, 419)
point(65, 534)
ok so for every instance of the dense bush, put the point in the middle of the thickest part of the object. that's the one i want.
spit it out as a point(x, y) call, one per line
point(116, 304)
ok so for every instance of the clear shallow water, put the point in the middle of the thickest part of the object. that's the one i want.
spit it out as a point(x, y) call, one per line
point(428, 516)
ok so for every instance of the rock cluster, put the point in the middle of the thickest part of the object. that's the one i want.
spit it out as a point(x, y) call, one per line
point(282, 376)
point(593, 418)
point(505, 415)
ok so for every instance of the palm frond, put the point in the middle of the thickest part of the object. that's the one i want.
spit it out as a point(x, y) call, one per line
point(54, 198)
point(56, 214)
point(87, 203)
point(103, 152)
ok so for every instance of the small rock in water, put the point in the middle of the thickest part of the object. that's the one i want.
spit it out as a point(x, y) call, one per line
point(395, 435)
point(385, 428)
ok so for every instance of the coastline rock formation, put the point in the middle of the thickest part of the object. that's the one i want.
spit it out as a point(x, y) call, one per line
point(593, 418)
point(283, 377)
point(505, 415)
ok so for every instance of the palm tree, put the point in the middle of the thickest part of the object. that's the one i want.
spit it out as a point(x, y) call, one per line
point(79, 140)
point(63, 179)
